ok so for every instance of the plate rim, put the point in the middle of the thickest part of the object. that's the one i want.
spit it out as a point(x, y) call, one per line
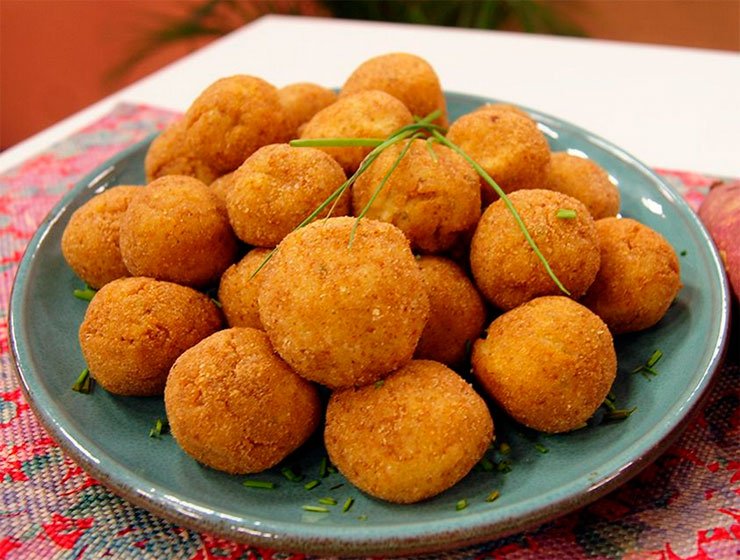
point(429, 536)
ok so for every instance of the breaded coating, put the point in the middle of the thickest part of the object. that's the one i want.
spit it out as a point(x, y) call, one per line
point(456, 312)
point(639, 276)
point(234, 405)
point(506, 269)
point(232, 119)
point(504, 107)
point(344, 315)
point(277, 188)
point(368, 114)
point(405, 76)
point(238, 290)
point(549, 363)
point(175, 230)
point(135, 328)
point(221, 186)
point(410, 438)
point(509, 146)
point(90, 239)
point(585, 180)
point(433, 198)
point(302, 101)
point(169, 154)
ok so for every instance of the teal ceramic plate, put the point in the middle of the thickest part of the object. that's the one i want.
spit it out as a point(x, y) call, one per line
point(108, 435)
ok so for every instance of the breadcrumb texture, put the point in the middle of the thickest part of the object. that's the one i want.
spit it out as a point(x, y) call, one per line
point(90, 242)
point(639, 276)
point(169, 154)
point(342, 315)
point(135, 328)
point(506, 269)
point(302, 101)
point(410, 438)
point(405, 76)
point(433, 194)
point(585, 180)
point(367, 114)
point(238, 290)
point(234, 405)
point(277, 188)
point(456, 312)
point(176, 230)
point(549, 363)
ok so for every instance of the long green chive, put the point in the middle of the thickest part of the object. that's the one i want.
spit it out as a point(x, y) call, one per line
point(493, 496)
point(84, 382)
point(160, 427)
point(323, 468)
point(87, 294)
point(541, 448)
point(264, 484)
point(311, 484)
point(430, 149)
point(647, 369)
point(316, 509)
point(328, 501)
point(461, 504)
point(504, 448)
point(566, 214)
point(291, 475)
point(347, 504)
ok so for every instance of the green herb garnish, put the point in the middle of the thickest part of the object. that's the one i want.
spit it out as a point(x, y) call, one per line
point(84, 382)
point(486, 464)
point(87, 294)
point(336, 486)
point(618, 414)
point(311, 484)
point(316, 509)
point(160, 427)
point(378, 384)
point(291, 475)
point(684, 253)
point(541, 448)
point(347, 504)
point(264, 484)
point(493, 496)
point(647, 369)
point(504, 448)
point(461, 504)
point(566, 214)
point(324, 468)
point(503, 466)
point(328, 501)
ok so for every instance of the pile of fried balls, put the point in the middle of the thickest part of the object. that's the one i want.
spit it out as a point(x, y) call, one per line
point(387, 312)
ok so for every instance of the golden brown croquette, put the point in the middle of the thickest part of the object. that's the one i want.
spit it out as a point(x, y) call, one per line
point(585, 180)
point(411, 437)
point(549, 363)
point(638, 279)
point(238, 290)
point(434, 198)
point(234, 405)
point(506, 269)
point(135, 328)
point(175, 230)
point(344, 315)
point(90, 239)
point(277, 188)
point(302, 101)
point(456, 312)
point(168, 154)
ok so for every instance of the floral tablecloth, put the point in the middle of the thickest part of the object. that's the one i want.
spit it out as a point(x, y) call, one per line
point(684, 506)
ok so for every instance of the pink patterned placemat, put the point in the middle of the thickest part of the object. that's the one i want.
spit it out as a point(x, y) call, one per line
point(684, 506)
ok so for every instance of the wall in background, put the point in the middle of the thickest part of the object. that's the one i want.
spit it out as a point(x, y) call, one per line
point(56, 55)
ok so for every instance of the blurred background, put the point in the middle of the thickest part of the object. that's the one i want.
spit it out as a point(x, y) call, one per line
point(58, 56)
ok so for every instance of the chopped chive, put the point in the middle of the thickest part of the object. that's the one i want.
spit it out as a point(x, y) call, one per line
point(328, 501)
point(291, 475)
point(267, 485)
point(347, 504)
point(541, 448)
point(654, 358)
point(336, 486)
point(160, 427)
point(684, 252)
point(504, 448)
point(566, 214)
point(87, 294)
point(315, 509)
point(217, 303)
point(486, 464)
point(618, 414)
point(378, 384)
point(84, 382)
point(323, 467)
point(311, 484)
point(461, 504)
point(503, 466)
point(331, 469)
point(493, 496)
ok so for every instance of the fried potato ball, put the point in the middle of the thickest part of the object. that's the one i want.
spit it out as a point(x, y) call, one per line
point(234, 405)
point(405, 76)
point(585, 180)
point(221, 186)
point(504, 107)
point(135, 328)
point(238, 290)
point(410, 438)
point(168, 154)
point(302, 101)
point(367, 114)
point(505, 267)
point(433, 199)
point(277, 188)
point(508, 145)
point(175, 230)
point(344, 315)
point(549, 363)
point(456, 312)
point(90, 239)
point(232, 119)
point(638, 279)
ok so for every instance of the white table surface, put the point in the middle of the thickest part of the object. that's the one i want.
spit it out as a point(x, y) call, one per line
point(670, 107)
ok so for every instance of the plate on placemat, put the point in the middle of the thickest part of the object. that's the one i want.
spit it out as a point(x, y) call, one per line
point(109, 435)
